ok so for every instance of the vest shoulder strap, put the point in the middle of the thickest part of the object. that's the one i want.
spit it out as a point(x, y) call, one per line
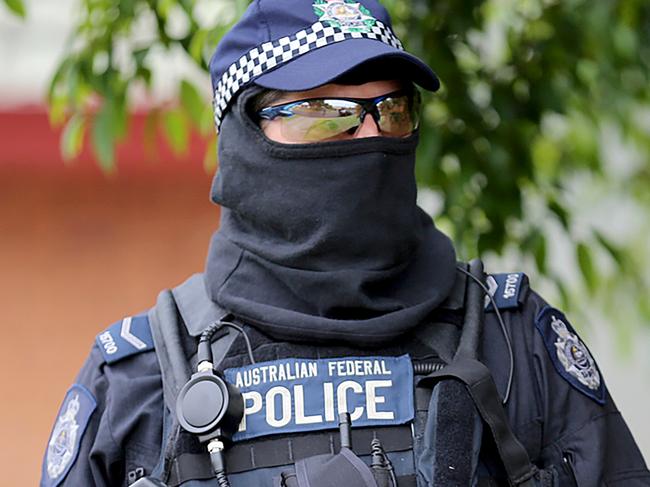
point(180, 315)
point(166, 330)
point(482, 389)
point(477, 378)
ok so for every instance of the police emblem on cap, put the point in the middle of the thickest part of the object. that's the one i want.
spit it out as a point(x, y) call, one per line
point(347, 15)
point(63, 446)
point(569, 354)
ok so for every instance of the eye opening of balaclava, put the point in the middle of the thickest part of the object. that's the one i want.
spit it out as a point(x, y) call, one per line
point(323, 241)
point(260, 97)
point(244, 105)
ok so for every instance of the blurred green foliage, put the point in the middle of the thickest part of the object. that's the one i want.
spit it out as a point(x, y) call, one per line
point(17, 7)
point(538, 140)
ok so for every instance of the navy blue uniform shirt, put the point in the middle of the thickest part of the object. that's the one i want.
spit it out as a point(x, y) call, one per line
point(561, 421)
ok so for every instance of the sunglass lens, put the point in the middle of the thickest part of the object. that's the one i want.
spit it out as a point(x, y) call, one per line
point(400, 115)
point(321, 119)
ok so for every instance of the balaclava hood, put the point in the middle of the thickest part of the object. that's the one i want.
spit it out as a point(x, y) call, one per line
point(323, 241)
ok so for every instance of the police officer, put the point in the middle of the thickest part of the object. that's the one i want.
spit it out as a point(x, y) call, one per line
point(336, 300)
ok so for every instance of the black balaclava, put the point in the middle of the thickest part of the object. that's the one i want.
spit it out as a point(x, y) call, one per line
point(323, 241)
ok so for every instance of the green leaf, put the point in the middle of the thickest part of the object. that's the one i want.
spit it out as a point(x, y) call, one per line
point(625, 41)
point(585, 261)
point(176, 130)
point(611, 249)
point(57, 109)
point(560, 211)
point(538, 248)
point(192, 102)
point(151, 123)
point(210, 159)
point(197, 45)
point(207, 121)
point(103, 136)
point(146, 75)
point(120, 120)
point(546, 157)
point(73, 137)
point(17, 7)
point(56, 78)
point(164, 7)
point(565, 296)
point(139, 55)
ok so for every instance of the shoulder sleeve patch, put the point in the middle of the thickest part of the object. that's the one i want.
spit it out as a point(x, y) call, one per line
point(63, 445)
point(128, 337)
point(569, 354)
point(507, 290)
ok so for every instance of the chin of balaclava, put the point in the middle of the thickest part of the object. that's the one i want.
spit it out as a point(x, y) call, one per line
point(323, 240)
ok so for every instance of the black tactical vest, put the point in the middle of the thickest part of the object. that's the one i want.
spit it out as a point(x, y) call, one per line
point(458, 420)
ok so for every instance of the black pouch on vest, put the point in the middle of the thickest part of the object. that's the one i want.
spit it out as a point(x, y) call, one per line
point(343, 469)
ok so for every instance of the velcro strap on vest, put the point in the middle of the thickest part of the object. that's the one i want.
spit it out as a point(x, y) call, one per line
point(276, 452)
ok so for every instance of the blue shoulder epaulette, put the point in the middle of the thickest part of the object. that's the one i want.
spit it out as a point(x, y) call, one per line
point(508, 290)
point(127, 337)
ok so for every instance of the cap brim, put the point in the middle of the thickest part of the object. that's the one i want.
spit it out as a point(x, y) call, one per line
point(325, 64)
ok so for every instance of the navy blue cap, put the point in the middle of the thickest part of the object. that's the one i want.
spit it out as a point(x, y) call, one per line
point(297, 45)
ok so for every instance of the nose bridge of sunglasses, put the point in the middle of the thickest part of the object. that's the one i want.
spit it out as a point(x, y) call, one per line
point(369, 107)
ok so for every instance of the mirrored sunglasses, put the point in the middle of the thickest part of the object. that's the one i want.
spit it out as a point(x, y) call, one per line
point(396, 114)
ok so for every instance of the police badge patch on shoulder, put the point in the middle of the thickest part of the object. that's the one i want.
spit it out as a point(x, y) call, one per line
point(569, 354)
point(63, 445)
point(298, 395)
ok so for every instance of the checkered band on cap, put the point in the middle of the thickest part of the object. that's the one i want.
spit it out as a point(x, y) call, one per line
point(272, 54)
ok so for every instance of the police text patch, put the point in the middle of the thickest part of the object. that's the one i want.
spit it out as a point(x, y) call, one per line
point(297, 395)
point(569, 354)
point(63, 445)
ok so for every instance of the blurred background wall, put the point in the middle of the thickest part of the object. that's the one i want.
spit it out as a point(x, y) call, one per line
point(80, 249)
